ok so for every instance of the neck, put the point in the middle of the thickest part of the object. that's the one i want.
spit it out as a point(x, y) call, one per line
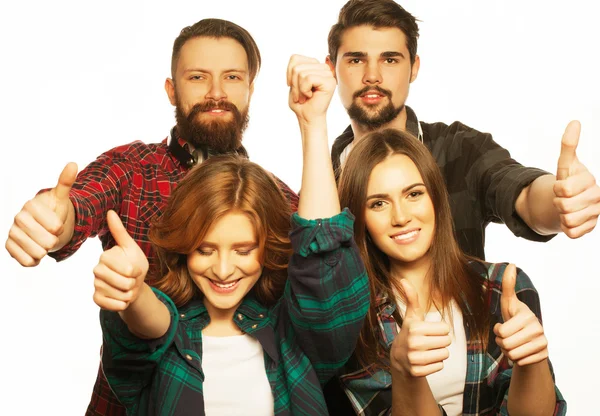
point(418, 274)
point(221, 322)
point(361, 130)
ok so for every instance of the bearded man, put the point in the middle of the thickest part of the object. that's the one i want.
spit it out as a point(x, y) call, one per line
point(213, 67)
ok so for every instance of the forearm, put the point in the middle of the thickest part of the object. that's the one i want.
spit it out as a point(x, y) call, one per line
point(318, 196)
point(531, 390)
point(147, 317)
point(535, 206)
point(412, 396)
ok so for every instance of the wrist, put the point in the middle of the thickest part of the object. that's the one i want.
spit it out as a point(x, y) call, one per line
point(314, 124)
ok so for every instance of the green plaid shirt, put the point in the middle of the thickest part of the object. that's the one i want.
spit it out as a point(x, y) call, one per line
point(307, 336)
point(488, 370)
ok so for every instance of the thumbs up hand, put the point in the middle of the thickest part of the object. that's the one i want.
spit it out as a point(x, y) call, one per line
point(577, 195)
point(40, 225)
point(121, 271)
point(420, 347)
point(521, 336)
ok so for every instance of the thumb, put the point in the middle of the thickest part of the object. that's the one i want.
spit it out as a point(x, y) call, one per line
point(509, 280)
point(568, 147)
point(65, 181)
point(118, 231)
point(413, 307)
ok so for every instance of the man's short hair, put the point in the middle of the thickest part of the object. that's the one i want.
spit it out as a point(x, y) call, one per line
point(376, 13)
point(218, 28)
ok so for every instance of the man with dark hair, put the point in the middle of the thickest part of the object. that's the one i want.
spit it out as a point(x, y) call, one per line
point(373, 55)
point(214, 64)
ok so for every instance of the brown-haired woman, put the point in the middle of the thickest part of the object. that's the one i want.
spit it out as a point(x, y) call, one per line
point(444, 333)
point(233, 328)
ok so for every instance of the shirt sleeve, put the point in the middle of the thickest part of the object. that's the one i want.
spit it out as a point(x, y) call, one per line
point(98, 188)
point(129, 362)
point(500, 379)
point(327, 295)
point(495, 179)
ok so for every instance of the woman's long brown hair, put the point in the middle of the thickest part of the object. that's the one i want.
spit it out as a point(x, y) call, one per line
point(451, 276)
point(209, 191)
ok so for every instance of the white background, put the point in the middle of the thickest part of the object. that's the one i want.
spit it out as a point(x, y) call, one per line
point(79, 78)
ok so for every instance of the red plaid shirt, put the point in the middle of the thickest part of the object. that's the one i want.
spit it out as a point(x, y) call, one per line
point(135, 180)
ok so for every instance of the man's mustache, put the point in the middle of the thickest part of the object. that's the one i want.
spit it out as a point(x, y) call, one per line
point(209, 105)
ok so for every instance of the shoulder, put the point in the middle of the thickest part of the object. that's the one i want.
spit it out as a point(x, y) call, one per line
point(456, 130)
point(137, 150)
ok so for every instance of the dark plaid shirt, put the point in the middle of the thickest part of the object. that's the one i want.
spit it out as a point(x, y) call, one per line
point(307, 336)
point(135, 180)
point(482, 179)
point(488, 370)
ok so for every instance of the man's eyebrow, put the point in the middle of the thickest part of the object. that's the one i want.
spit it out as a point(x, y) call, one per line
point(391, 54)
point(206, 71)
point(354, 54)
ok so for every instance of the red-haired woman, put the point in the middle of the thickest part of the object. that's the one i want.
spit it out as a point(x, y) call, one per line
point(445, 334)
point(231, 327)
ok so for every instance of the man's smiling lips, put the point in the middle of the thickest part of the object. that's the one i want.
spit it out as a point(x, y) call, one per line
point(216, 112)
point(371, 97)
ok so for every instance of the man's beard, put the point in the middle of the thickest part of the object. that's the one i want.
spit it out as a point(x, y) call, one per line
point(221, 136)
point(381, 117)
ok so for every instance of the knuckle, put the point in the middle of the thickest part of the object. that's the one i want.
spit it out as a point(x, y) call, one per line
point(561, 205)
point(19, 219)
point(128, 270)
point(30, 262)
point(104, 256)
point(414, 372)
point(28, 207)
point(412, 343)
point(569, 221)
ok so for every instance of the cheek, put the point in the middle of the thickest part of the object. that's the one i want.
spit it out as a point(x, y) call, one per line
point(197, 265)
point(250, 265)
point(375, 225)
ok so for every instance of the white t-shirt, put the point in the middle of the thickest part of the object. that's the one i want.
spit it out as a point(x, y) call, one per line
point(448, 385)
point(235, 380)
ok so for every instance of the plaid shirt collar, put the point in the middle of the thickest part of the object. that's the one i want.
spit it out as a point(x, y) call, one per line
point(249, 317)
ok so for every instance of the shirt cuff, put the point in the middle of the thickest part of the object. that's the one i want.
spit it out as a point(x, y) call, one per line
point(112, 324)
point(321, 235)
point(81, 230)
point(521, 179)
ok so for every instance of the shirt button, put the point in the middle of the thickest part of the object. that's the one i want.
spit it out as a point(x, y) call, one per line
point(260, 315)
point(182, 315)
point(240, 316)
point(254, 326)
point(189, 357)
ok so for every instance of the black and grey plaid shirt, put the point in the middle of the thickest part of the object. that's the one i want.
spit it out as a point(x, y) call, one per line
point(483, 180)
